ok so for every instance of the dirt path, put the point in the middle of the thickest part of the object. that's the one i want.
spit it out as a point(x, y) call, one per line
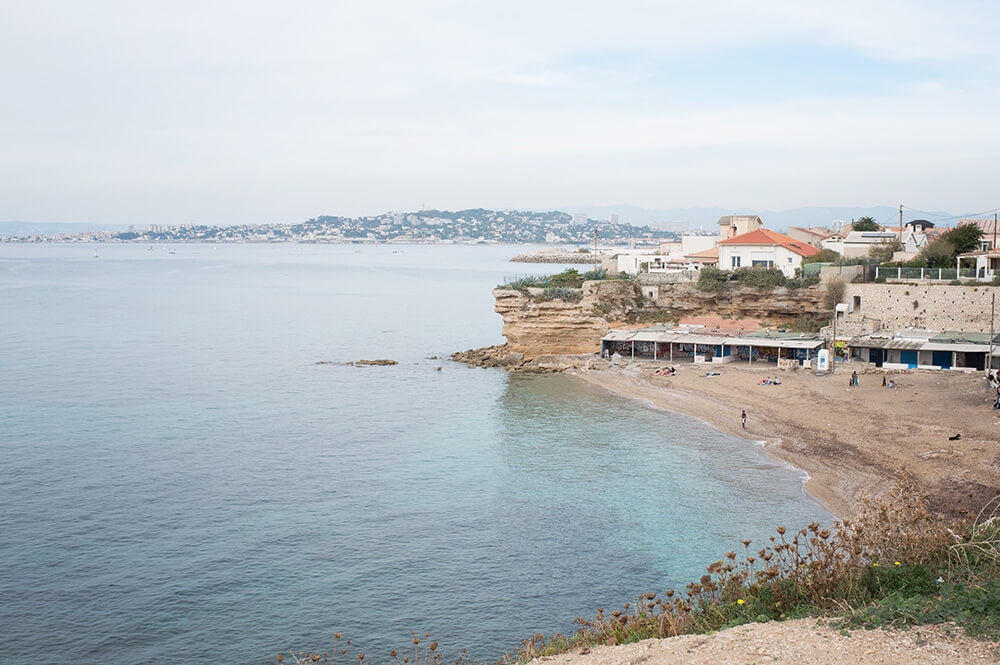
point(801, 642)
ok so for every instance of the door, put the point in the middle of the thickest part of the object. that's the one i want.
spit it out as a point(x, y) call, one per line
point(908, 358)
point(942, 359)
point(876, 356)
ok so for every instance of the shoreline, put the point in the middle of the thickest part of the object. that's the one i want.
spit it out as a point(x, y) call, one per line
point(760, 445)
point(847, 442)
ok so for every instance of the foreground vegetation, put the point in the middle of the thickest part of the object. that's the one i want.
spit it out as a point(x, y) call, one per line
point(714, 279)
point(896, 565)
point(570, 278)
point(565, 285)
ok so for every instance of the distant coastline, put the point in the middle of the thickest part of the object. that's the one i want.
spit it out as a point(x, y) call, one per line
point(470, 227)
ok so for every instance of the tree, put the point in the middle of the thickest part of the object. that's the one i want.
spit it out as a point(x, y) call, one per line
point(964, 238)
point(824, 256)
point(866, 224)
point(883, 252)
point(836, 288)
point(938, 253)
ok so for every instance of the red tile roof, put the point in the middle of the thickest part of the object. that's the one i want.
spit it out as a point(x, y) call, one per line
point(768, 237)
point(711, 254)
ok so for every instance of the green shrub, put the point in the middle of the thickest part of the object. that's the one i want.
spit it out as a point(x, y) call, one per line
point(760, 278)
point(713, 279)
point(824, 256)
point(800, 282)
point(560, 293)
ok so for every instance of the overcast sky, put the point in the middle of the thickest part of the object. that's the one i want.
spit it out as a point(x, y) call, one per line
point(226, 112)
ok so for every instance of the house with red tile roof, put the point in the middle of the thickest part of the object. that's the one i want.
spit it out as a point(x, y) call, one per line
point(698, 260)
point(764, 248)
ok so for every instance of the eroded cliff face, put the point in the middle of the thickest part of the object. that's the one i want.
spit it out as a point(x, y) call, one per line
point(538, 327)
point(535, 327)
point(776, 308)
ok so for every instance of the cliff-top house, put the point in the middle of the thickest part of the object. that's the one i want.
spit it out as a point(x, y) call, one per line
point(764, 248)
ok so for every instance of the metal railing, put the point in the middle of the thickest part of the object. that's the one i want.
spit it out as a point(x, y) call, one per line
point(934, 274)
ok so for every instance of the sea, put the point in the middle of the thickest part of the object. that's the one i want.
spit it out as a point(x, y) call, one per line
point(182, 480)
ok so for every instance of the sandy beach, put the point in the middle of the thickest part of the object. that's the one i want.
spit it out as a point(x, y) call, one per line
point(850, 440)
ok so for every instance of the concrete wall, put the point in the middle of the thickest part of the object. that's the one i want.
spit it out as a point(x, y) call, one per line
point(938, 306)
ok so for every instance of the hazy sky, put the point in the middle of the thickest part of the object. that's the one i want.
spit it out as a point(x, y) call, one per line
point(223, 112)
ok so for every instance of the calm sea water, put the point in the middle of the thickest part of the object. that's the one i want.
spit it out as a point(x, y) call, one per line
point(181, 482)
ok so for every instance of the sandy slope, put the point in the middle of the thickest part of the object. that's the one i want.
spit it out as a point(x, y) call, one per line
point(849, 440)
point(801, 642)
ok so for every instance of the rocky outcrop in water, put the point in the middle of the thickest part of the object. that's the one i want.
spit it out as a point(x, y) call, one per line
point(512, 361)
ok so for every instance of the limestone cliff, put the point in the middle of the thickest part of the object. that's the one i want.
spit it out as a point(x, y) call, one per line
point(773, 308)
point(536, 326)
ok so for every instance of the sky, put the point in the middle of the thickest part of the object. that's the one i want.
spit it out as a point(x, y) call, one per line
point(216, 112)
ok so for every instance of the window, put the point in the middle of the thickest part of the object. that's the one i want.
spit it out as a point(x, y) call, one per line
point(789, 259)
point(763, 264)
point(736, 262)
point(857, 302)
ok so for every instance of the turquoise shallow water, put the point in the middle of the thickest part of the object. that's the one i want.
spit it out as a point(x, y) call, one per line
point(181, 481)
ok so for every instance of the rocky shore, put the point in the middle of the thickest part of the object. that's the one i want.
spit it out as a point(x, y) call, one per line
point(505, 357)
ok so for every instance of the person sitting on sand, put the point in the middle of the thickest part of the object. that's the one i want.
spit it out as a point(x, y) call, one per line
point(892, 384)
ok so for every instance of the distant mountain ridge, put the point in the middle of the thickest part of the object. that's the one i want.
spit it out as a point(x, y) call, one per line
point(670, 219)
point(779, 220)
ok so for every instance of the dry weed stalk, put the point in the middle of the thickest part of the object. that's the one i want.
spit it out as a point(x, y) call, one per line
point(979, 554)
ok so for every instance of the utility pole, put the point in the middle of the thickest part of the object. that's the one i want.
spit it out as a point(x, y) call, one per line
point(595, 241)
point(989, 357)
point(994, 231)
point(901, 223)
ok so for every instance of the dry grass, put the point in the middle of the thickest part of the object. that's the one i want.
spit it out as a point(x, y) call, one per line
point(895, 545)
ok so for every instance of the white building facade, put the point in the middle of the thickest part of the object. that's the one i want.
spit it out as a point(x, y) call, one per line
point(764, 248)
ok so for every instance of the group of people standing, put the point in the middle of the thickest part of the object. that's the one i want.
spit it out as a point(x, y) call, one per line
point(994, 379)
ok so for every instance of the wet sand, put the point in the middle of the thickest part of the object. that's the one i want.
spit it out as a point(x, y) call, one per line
point(850, 440)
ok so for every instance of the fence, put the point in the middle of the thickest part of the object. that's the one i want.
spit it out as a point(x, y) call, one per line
point(926, 273)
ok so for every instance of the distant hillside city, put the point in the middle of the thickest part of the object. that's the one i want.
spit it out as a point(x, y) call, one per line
point(472, 226)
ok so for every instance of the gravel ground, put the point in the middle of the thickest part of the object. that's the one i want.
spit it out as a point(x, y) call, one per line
point(802, 642)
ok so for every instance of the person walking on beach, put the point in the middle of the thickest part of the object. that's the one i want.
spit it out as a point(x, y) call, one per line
point(854, 379)
point(743, 419)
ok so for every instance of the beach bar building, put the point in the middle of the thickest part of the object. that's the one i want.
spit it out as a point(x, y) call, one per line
point(774, 346)
point(694, 344)
point(668, 343)
point(926, 349)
